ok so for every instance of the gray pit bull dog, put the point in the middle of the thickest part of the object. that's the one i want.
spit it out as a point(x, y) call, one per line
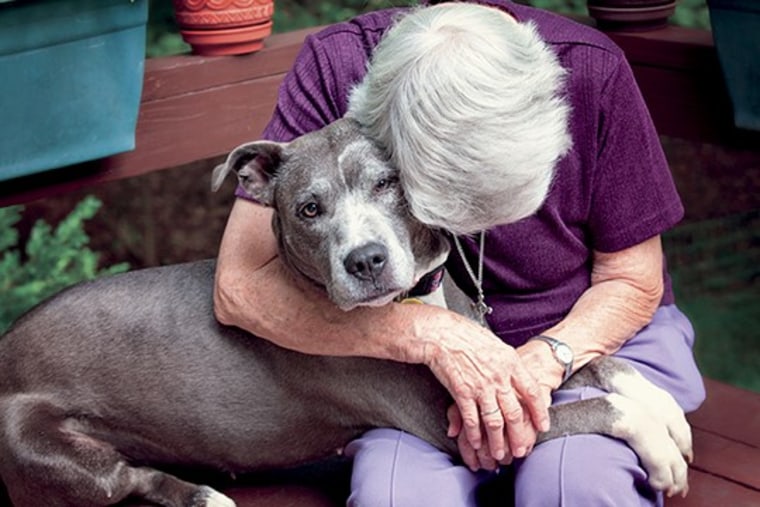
point(111, 380)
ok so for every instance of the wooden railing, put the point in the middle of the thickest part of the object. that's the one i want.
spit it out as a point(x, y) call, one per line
point(196, 108)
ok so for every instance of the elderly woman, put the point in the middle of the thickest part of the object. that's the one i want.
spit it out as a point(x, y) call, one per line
point(524, 134)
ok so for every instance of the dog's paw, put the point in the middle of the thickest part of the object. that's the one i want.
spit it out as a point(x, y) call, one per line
point(668, 472)
point(209, 497)
point(663, 406)
point(650, 438)
point(660, 405)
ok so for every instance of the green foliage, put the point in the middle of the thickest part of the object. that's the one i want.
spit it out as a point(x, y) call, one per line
point(163, 37)
point(715, 266)
point(692, 14)
point(53, 259)
point(293, 14)
point(727, 347)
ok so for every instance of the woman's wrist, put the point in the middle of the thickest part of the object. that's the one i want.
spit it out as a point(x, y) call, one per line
point(420, 326)
point(539, 359)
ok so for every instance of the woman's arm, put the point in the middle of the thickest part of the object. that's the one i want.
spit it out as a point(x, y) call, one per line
point(254, 291)
point(626, 289)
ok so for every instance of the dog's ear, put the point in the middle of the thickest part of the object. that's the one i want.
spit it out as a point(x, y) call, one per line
point(256, 165)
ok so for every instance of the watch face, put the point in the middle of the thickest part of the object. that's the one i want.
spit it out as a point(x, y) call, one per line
point(564, 353)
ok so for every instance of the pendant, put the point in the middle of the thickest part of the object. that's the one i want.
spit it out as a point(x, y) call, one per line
point(482, 309)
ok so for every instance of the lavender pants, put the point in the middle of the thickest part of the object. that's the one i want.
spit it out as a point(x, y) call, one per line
point(394, 469)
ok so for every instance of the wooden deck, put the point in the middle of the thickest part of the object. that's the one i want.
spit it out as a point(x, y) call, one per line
point(726, 434)
point(724, 472)
point(196, 108)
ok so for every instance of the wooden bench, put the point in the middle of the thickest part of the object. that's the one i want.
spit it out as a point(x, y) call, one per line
point(197, 108)
point(725, 472)
point(726, 468)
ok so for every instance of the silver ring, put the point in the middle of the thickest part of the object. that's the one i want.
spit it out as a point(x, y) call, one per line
point(490, 412)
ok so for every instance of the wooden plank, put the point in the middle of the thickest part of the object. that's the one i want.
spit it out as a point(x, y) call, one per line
point(726, 458)
point(176, 75)
point(286, 495)
point(198, 125)
point(731, 412)
point(709, 491)
point(672, 47)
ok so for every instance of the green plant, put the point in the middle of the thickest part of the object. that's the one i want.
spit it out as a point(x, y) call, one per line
point(692, 14)
point(163, 36)
point(715, 268)
point(295, 14)
point(53, 259)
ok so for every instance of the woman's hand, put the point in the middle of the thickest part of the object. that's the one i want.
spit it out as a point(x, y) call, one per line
point(490, 386)
point(477, 459)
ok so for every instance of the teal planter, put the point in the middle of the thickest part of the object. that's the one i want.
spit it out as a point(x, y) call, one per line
point(71, 76)
point(736, 31)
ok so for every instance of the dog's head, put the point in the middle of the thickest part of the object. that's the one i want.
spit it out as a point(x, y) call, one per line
point(340, 216)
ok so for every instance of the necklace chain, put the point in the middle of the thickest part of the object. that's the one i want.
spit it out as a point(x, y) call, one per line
point(480, 307)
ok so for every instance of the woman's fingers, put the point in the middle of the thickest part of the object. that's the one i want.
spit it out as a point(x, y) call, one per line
point(485, 460)
point(456, 426)
point(470, 422)
point(513, 417)
point(472, 458)
point(493, 422)
point(455, 421)
point(526, 416)
point(490, 385)
point(531, 397)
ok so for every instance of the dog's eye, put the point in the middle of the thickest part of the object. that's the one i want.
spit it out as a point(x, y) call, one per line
point(310, 210)
point(384, 184)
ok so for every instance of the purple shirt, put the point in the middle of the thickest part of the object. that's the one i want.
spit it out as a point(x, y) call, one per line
point(612, 191)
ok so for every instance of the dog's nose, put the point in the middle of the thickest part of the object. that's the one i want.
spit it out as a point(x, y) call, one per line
point(366, 262)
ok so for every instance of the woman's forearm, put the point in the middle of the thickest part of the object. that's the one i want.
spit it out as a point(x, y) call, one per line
point(255, 291)
point(273, 305)
point(626, 290)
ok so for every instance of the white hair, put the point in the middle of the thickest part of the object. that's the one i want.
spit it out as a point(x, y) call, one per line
point(467, 103)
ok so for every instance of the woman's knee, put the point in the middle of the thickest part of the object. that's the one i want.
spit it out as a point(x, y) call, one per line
point(393, 468)
point(583, 470)
point(662, 352)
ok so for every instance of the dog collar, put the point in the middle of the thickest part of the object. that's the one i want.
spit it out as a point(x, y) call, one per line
point(428, 283)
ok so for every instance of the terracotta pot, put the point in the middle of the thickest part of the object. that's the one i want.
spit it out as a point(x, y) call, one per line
point(631, 15)
point(224, 27)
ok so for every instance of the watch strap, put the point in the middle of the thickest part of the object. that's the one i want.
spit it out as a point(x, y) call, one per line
point(554, 344)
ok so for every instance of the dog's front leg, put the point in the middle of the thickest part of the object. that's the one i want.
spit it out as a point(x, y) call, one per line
point(616, 416)
point(617, 376)
point(637, 411)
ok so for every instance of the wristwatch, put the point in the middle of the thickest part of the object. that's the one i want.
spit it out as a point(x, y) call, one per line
point(562, 353)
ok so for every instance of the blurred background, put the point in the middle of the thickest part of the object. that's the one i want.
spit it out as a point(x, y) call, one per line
point(171, 216)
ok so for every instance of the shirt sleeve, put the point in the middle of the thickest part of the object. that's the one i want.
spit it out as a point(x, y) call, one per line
point(633, 194)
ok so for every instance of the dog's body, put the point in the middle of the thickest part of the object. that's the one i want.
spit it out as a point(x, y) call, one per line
point(114, 377)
